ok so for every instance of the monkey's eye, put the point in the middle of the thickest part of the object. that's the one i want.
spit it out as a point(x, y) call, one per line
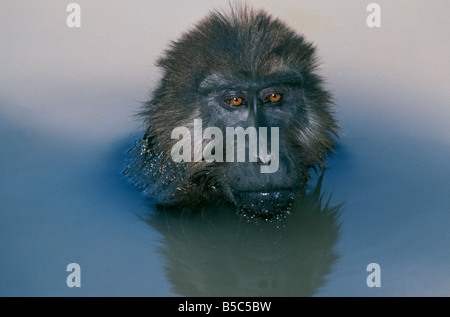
point(273, 98)
point(236, 101)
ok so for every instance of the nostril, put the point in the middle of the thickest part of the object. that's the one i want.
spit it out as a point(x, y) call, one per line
point(263, 161)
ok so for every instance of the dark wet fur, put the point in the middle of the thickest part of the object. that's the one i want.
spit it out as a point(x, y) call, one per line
point(242, 44)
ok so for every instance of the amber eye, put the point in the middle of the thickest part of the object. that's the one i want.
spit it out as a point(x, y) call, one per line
point(236, 101)
point(273, 98)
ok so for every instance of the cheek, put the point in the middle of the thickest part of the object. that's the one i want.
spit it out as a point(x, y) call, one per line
point(239, 116)
point(279, 116)
point(236, 118)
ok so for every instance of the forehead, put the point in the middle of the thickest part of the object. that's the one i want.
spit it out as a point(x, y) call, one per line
point(245, 81)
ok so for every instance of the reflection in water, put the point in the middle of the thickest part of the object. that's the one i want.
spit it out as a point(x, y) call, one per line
point(215, 253)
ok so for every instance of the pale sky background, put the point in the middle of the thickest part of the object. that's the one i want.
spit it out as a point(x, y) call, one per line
point(68, 80)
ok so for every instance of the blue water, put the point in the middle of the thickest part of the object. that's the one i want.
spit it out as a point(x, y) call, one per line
point(65, 201)
point(66, 124)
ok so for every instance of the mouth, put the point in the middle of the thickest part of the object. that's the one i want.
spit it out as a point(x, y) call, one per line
point(264, 204)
